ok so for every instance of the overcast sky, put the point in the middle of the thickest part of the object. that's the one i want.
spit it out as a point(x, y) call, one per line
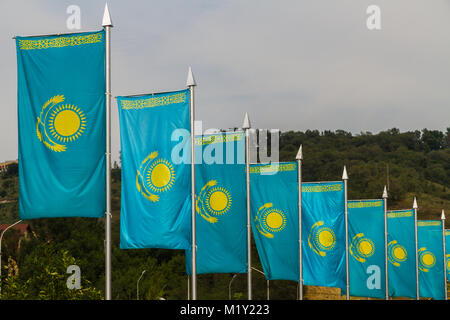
point(293, 65)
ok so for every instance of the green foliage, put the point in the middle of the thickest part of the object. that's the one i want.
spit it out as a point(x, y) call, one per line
point(416, 162)
point(410, 163)
point(43, 276)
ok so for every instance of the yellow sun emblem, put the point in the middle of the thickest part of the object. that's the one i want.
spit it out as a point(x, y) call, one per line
point(447, 262)
point(160, 175)
point(269, 220)
point(396, 253)
point(57, 125)
point(66, 123)
point(321, 239)
point(213, 200)
point(427, 260)
point(154, 176)
point(361, 247)
point(218, 200)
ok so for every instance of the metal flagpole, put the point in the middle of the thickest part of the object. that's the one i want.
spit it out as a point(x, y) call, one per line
point(246, 127)
point(445, 263)
point(345, 178)
point(386, 266)
point(415, 207)
point(190, 83)
point(107, 24)
point(299, 159)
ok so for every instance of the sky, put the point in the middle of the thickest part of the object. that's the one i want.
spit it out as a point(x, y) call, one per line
point(292, 65)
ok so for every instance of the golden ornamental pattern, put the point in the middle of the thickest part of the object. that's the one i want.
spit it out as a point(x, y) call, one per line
point(322, 188)
point(428, 223)
point(154, 101)
point(220, 138)
point(399, 214)
point(365, 204)
point(274, 168)
point(59, 42)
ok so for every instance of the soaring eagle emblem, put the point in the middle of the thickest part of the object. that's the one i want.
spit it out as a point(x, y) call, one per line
point(155, 175)
point(59, 124)
point(396, 253)
point(361, 247)
point(321, 239)
point(269, 220)
point(427, 259)
point(213, 201)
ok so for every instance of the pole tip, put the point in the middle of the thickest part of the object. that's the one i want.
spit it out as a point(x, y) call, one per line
point(299, 155)
point(107, 22)
point(443, 215)
point(344, 174)
point(385, 194)
point(246, 124)
point(190, 82)
point(415, 206)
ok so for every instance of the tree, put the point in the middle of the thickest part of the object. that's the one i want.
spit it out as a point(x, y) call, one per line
point(432, 139)
point(44, 277)
point(447, 138)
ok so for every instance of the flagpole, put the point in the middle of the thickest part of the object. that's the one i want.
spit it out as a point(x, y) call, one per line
point(445, 264)
point(345, 178)
point(190, 83)
point(107, 24)
point(246, 127)
point(386, 266)
point(415, 207)
point(299, 159)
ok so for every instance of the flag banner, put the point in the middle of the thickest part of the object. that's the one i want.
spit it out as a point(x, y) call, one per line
point(220, 206)
point(402, 253)
point(447, 253)
point(366, 246)
point(61, 122)
point(323, 233)
point(431, 259)
point(274, 218)
point(156, 171)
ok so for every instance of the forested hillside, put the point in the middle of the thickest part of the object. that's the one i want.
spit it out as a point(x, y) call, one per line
point(410, 163)
point(417, 164)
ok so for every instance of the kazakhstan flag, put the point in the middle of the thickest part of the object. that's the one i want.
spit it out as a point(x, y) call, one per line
point(431, 259)
point(366, 248)
point(447, 253)
point(401, 253)
point(323, 229)
point(61, 115)
point(274, 210)
point(156, 176)
point(220, 206)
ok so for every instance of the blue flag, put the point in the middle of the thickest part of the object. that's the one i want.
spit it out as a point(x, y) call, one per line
point(274, 208)
point(323, 232)
point(431, 259)
point(221, 221)
point(366, 248)
point(156, 171)
point(447, 253)
point(402, 253)
point(61, 121)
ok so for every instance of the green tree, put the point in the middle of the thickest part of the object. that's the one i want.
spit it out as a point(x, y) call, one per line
point(432, 139)
point(44, 277)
